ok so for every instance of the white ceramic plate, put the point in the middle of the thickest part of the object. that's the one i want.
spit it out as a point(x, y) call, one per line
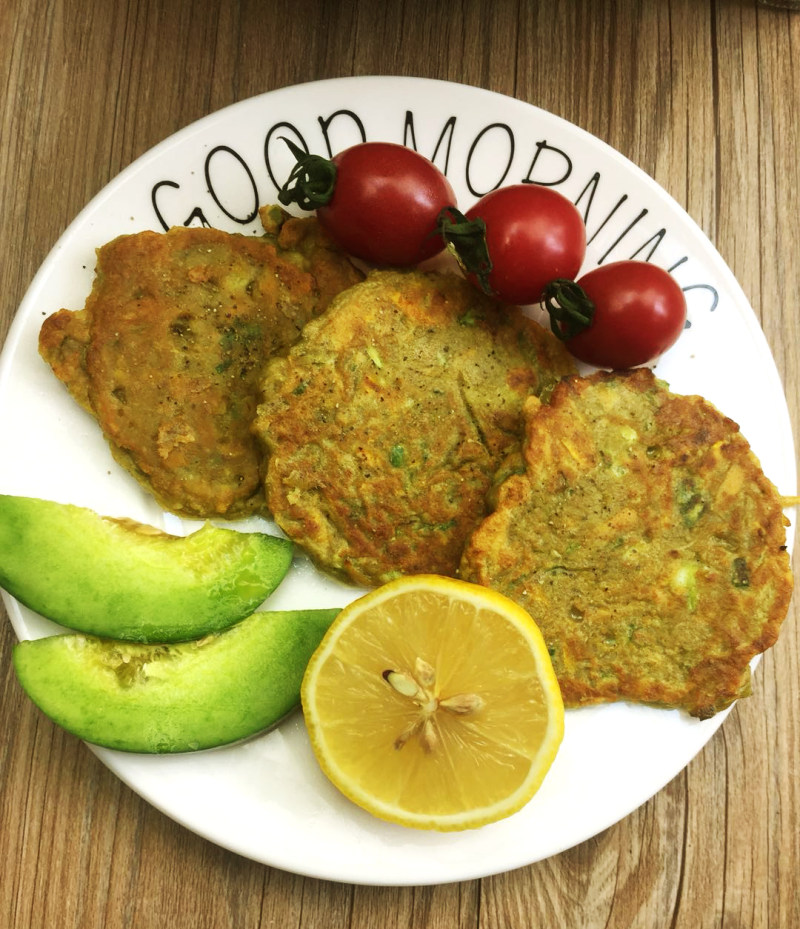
point(266, 799)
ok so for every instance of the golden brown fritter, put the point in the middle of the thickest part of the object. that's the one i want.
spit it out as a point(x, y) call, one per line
point(645, 541)
point(385, 423)
point(168, 352)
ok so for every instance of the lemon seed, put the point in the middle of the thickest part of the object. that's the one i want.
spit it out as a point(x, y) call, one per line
point(401, 683)
point(462, 704)
point(424, 672)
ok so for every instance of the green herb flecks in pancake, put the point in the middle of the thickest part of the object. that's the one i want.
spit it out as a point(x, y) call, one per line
point(168, 351)
point(645, 540)
point(385, 424)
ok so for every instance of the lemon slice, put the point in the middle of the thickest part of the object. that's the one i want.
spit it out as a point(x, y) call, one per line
point(432, 703)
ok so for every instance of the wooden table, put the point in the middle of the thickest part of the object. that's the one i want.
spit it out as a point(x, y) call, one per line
point(705, 97)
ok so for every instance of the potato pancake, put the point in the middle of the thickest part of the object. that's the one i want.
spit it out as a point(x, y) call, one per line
point(645, 540)
point(384, 425)
point(168, 351)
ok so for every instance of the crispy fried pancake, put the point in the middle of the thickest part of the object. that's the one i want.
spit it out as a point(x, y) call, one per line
point(168, 351)
point(645, 541)
point(385, 423)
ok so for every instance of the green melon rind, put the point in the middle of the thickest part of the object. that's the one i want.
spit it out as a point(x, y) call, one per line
point(173, 698)
point(99, 576)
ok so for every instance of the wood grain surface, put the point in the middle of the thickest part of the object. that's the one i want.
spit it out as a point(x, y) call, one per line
point(704, 95)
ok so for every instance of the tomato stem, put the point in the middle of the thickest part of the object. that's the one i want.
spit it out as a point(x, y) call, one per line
point(311, 181)
point(466, 241)
point(569, 307)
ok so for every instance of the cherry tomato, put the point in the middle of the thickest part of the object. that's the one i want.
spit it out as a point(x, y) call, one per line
point(635, 312)
point(381, 204)
point(533, 234)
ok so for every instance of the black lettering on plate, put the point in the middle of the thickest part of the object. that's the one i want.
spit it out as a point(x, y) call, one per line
point(238, 158)
point(544, 147)
point(602, 225)
point(154, 200)
point(550, 166)
point(447, 132)
point(656, 238)
point(591, 187)
point(678, 263)
point(712, 290)
point(197, 213)
point(472, 154)
point(325, 125)
point(642, 213)
point(276, 128)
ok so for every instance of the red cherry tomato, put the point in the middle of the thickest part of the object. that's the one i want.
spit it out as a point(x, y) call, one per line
point(534, 234)
point(385, 202)
point(639, 312)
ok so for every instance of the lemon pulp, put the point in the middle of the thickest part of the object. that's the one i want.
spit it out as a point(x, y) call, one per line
point(432, 702)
